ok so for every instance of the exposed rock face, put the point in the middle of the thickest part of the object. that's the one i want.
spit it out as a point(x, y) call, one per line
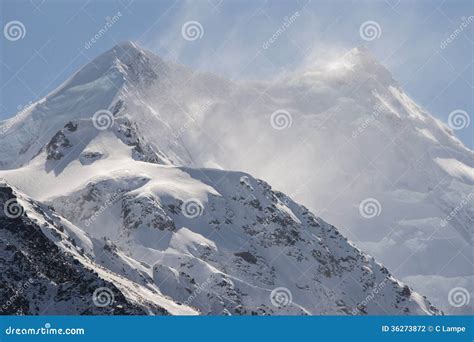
point(45, 271)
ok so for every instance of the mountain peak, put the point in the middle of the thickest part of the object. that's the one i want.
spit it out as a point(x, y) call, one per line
point(363, 61)
point(125, 51)
point(361, 56)
point(127, 45)
point(123, 61)
point(356, 64)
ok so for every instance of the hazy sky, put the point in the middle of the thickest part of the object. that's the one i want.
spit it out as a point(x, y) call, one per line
point(410, 40)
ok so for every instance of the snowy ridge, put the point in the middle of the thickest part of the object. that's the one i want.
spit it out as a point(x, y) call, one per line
point(234, 276)
point(51, 267)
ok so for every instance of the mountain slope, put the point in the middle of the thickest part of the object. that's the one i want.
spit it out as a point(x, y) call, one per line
point(50, 267)
point(330, 137)
point(217, 241)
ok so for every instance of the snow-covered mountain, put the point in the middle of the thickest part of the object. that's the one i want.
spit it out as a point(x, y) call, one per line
point(49, 266)
point(151, 239)
point(118, 151)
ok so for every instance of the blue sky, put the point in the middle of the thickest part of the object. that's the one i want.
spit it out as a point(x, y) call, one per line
point(233, 32)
